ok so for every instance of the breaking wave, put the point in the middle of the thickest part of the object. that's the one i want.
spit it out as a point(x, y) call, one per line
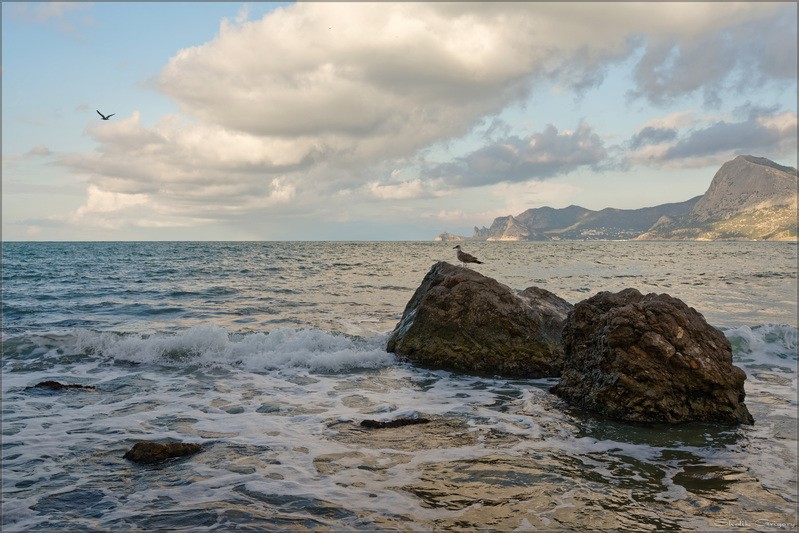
point(210, 345)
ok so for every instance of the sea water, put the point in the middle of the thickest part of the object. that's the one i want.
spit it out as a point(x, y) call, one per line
point(269, 355)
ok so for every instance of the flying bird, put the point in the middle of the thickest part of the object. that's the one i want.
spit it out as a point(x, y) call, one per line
point(464, 258)
point(105, 117)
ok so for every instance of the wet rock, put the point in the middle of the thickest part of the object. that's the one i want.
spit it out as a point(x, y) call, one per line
point(146, 452)
point(396, 423)
point(649, 359)
point(459, 319)
point(55, 385)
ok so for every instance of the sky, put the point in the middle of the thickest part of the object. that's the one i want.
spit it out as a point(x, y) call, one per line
point(376, 121)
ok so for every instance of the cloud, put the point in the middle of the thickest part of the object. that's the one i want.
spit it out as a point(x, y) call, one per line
point(374, 80)
point(107, 209)
point(652, 135)
point(398, 191)
point(455, 215)
point(673, 121)
point(40, 150)
point(518, 197)
point(509, 198)
point(740, 55)
point(33, 231)
point(758, 134)
point(45, 13)
point(298, 111)
point(175, 171)
point(700, 140)
point(12, 160)
point(513, 159)
point(42, 12)
point(100, 201)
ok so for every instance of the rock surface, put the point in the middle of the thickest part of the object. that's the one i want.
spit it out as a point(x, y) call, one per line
point(55, 385)
point(744, 184)
point(750, 198)
point(459, 319)
point(154, 452)
point(649, 358)
point(396, 423)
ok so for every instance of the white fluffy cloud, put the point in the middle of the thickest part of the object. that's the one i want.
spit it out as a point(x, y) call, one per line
point(371, 81)
point(284, 113)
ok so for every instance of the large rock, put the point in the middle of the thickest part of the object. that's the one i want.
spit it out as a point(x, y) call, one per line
point(459, 319)
point(649, 359)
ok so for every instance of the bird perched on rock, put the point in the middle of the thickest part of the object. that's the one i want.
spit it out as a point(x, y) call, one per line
point(105, 117)
point(464, 258)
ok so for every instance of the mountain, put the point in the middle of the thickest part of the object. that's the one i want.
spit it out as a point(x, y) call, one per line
point(750, 198)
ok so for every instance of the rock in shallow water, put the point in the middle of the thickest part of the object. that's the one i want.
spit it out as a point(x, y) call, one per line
point(154, 452)
point(396, 423)
point(55, 385)
point(459, 319)
point(649, 359)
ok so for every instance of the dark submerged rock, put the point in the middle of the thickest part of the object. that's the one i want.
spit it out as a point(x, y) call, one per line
point(55, 385)
point(649, 359)
point(396, 423)
point(146, 452)
point(459, 319)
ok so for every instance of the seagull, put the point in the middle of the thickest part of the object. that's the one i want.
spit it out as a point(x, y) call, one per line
point(105, 117)
point(464, 258)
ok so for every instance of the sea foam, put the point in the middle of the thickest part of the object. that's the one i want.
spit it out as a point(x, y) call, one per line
point(765, 344)
point(210, 345)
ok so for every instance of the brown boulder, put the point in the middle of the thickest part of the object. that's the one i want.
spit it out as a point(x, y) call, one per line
point(649, 359)
point(459, 319)
point(154, 452)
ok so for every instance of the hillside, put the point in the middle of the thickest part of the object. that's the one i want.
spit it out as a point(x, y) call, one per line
point(749, 198)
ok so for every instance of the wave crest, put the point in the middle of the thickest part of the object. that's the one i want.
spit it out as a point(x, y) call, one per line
point(764, 344)
point(209, 345)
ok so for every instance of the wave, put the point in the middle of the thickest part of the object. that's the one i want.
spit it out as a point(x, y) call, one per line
point(764, 345)
point(210, 345)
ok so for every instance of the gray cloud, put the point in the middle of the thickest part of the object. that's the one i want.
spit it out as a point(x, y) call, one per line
point(741, 56)
point(652, 135)
point(513, 159)
point(753, 136)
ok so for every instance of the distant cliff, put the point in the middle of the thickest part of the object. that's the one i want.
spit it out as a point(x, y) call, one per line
point(750, 198)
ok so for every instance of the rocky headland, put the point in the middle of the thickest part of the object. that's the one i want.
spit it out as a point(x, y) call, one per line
point(749, 198)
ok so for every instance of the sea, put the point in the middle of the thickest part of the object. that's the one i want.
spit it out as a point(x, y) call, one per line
point(270, 354)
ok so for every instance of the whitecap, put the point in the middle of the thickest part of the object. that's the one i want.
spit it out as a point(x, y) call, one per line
point(764, 346)
point(210, 345)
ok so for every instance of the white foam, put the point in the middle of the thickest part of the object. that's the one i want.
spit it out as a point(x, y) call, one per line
point(766, 344)
point(212, 345)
